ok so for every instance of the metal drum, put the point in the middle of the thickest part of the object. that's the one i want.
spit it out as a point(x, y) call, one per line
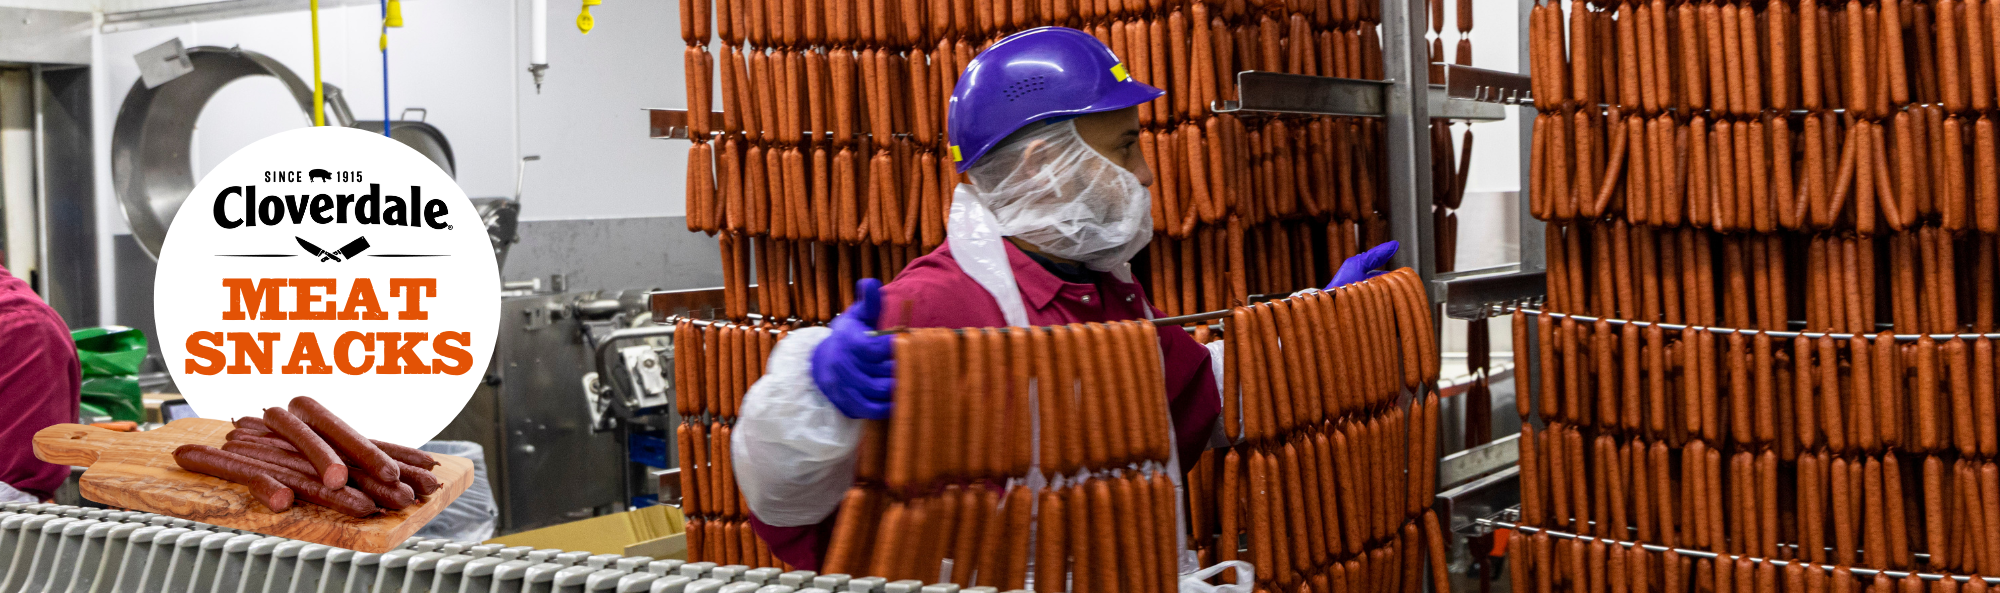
point(425, 138)
point(150, 166)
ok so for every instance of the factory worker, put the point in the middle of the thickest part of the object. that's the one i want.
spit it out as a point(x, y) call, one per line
point(1045, 125)
point(40, 386)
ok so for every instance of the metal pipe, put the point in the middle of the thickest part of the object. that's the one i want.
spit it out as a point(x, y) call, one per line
point(1857, 571)
point(1729, 330)
point(1406, 63)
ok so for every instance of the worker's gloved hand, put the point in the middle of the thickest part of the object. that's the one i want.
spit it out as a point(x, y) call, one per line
point(857, 371)
point(1363, 266)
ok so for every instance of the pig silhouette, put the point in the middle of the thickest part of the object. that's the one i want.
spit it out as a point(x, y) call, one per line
point(319, 175)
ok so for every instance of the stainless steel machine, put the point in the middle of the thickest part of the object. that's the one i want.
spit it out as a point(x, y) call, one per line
point(546, 463)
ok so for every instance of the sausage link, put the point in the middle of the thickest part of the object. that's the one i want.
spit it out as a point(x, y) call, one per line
point(1580, 479)
point(390, 495)
point(1103, 537)
point(1983, 397)
point(1330, 496)
point(1875, 539)
point(1953, 204)
point(724, 465)
point(1936, 524)
point(1928, 437)
point(331, 471)
point(1695, 471)
point(1611, 475)
point(1299, 529)
point(691, 499)
point(1858, 77)
point(344, 439)
point(1051, 550)
point(272, 455)
point(1987, 205)
point(1892, 496)
point(269, 441)
point(1140, 495)
point(894, 540)
point(1353, 505)
point(1439, 563)
point(242, 433)
point(1229, 507)
point(237, 469)
point(1556, 463)
point(1964, 432)
point(344, 499)
point(1811, 509)
point(1843, 512)
point(1989, 497)
point(1545, 567)
point(1011, 350)
point(1522, 405)
point(1972, 512)
point(418, 479)
point(901, 468)
point(1260, 513)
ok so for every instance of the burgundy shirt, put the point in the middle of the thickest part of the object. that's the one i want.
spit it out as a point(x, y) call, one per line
point(942, 295)
point(40, 385)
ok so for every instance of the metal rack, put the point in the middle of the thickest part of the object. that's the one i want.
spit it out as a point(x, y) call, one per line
point(1466, 94)
point(1508, 519)
point(1408, 101)
point(48, 547)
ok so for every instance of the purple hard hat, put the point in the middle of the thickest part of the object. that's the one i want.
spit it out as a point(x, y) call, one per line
point(1031, 76)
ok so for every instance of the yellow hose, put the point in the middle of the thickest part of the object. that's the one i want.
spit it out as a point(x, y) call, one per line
point(319, 96)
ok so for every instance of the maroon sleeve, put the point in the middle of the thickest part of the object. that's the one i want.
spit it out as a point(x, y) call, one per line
point(1191, 394)
point(40, 384)
point(802, 547)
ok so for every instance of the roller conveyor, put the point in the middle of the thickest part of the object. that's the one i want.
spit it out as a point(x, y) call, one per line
point(47, 548)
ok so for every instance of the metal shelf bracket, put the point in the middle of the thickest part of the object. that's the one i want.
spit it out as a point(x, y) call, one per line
point(1275, 92)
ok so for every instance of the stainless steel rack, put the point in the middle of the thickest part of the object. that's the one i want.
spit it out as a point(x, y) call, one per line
point(1507, 519)
point(1409, 101)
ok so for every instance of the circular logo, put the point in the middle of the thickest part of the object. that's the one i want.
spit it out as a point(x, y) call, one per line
point(335, 263)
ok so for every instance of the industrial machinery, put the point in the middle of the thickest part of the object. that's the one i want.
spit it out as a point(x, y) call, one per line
point(531, 418)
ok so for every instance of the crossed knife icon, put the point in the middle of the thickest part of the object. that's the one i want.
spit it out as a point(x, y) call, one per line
point(354, 247)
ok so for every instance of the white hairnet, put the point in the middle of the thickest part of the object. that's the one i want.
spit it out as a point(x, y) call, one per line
point(1051, 189)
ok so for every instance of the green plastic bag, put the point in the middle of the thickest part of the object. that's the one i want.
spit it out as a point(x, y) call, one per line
point(110, 357)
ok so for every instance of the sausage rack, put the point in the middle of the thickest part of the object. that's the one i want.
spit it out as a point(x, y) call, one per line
point(1415, 94)
point(58, 548)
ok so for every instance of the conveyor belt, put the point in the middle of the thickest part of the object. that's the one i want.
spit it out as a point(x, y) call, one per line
point(47, 548)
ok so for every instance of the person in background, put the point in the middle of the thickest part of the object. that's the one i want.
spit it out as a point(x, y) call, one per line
point(41, 385)
point(1045, 126)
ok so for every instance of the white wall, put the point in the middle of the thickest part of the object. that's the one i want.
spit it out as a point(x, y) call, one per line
point(465, 61)
point(1496, 38)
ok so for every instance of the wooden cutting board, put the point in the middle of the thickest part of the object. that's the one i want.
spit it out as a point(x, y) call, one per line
point(136, 470)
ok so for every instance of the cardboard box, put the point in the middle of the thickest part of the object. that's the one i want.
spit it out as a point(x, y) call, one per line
point(672, 547)
point(608, 534)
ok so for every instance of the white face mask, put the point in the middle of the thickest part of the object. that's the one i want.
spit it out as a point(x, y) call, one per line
point(1050, 189)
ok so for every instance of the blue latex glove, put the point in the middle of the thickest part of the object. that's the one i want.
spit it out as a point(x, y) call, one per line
point(857, 371)
point(1366, 265)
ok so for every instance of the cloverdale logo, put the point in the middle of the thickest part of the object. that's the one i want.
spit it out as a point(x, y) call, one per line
point(365, 280)
point(240, 207)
